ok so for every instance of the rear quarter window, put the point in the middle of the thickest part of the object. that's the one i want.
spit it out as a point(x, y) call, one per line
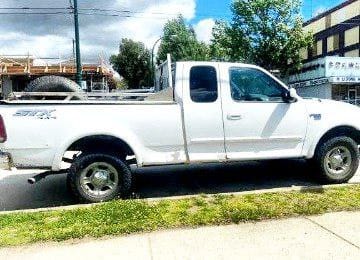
point(203, 84)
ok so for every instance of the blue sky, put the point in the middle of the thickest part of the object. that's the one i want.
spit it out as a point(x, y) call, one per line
point(312, 7)
point(221, 8)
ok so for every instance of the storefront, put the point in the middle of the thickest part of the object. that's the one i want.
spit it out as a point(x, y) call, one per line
point(335, 78)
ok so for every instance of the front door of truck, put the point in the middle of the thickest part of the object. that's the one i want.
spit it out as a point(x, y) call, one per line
point(203, 119)
point(259, 123)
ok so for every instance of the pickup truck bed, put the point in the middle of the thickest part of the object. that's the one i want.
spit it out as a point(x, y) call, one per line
point(153, 127)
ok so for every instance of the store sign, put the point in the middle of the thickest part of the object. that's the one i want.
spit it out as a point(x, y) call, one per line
point(310, 83)
point(342, 67)
point(329, 69)
point(345, 79)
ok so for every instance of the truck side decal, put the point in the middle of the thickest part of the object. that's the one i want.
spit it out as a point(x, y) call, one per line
point(36, 113)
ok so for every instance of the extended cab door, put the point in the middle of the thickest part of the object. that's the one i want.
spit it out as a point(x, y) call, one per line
point(203, 118)
point(259, 123)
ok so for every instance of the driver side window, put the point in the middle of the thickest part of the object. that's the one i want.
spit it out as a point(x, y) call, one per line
point(252, 85)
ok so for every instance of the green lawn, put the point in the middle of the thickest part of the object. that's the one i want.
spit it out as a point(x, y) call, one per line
point(125, 217)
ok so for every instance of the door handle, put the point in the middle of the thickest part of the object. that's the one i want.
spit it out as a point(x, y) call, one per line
point(234, 117)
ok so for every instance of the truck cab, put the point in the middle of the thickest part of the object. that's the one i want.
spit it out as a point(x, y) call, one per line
point(241, 112)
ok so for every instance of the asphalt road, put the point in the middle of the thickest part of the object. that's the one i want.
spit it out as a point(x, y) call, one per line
point(155, 182)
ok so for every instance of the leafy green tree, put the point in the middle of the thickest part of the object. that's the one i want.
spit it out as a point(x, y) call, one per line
point(133, 63)
point(266, 32)
point(180, 41)
point(228, 44)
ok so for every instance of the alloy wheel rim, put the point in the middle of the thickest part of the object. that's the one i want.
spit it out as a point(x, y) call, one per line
point(338, 161)
point(99, 179)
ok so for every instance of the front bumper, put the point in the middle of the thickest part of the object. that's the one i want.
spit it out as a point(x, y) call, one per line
point(5, 161)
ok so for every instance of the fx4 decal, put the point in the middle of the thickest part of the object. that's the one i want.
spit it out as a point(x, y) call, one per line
point(36, 113)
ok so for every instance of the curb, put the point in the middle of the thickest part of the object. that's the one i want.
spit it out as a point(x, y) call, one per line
point(317, 188)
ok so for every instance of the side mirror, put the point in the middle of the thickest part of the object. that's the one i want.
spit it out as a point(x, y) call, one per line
point(291, 96)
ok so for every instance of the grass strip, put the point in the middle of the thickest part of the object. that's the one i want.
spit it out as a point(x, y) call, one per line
point(131, 216)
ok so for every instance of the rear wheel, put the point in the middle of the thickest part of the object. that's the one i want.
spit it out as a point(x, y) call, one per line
point(337, 160)
point(99, 177)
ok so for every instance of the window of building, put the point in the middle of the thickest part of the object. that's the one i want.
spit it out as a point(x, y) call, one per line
point(319, 48)
point(353, 53)
point(248, 84)
point(314, 50)
point(328, 21)
point(333, 43)
point(203, 84)
point(351, 36)
point(304, 53)
point(350, 94)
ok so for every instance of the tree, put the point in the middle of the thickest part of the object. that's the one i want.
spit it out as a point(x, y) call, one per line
point(266, 32)
point(133, 63)
point(180, 41)
point(227, 44)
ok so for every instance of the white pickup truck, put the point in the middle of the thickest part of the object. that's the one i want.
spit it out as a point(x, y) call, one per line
point(218, 112)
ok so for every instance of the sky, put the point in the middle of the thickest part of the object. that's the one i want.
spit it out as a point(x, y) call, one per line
point(51, 35)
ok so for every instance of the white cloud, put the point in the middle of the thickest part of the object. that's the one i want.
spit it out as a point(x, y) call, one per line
point(149, 28)
point(41, 46)
point(52, 35)
point(204, 28)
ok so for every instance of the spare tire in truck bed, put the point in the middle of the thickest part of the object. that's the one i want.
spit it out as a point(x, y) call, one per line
point(53, 84)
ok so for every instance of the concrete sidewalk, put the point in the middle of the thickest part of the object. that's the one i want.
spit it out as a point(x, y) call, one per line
point(331, 236)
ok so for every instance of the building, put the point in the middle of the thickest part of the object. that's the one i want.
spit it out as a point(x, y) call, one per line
point(17, 71)
point(331, 67)
point(330, 77)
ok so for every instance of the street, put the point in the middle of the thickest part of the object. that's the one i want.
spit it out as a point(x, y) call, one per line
point(155, 182)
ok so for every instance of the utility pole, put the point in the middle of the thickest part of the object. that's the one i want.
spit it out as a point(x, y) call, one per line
point(77, 43)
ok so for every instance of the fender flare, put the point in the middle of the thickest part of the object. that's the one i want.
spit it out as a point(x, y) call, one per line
point(133, 144)
point(316, 141)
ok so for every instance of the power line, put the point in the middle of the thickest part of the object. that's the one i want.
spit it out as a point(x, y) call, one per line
point(82, 13)
point(130, 16)
point(34, 8)
point(164, 16)
point(99, 10)
point(307, 8)
point(102, 12)
point(34, 13)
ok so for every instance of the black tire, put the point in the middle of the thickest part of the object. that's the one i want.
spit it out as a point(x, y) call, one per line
point(53, 84)
point(322, 166)
point(80, 164)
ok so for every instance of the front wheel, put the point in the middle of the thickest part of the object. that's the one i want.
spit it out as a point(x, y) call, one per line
point(337, 160)
point(99, 177)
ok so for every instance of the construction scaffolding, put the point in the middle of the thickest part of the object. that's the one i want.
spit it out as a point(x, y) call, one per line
point(16, 71)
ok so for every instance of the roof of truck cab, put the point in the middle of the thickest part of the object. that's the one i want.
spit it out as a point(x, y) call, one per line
point(216, 63)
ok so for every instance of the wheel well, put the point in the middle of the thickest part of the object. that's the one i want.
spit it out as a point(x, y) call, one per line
point(341, 131)
point(104, 144)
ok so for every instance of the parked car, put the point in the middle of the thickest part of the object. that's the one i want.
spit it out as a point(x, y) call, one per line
point(215, 112)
